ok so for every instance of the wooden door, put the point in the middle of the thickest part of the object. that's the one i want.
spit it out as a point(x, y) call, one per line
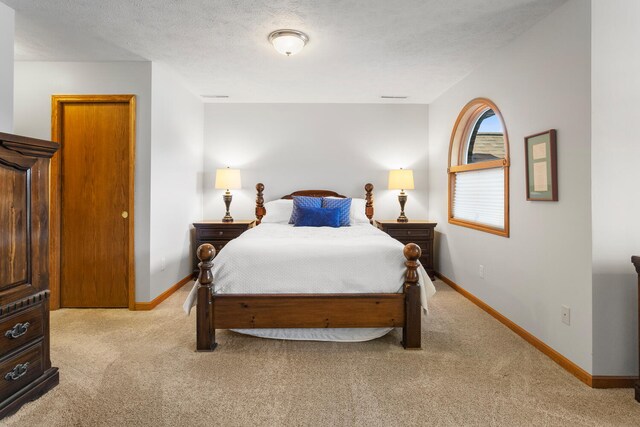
point(94, 199)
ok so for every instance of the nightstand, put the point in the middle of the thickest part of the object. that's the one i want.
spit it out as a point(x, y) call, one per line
point(217, 233)
point(414, 231)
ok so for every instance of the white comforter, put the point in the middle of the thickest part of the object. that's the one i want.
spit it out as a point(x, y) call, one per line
point(280, 258)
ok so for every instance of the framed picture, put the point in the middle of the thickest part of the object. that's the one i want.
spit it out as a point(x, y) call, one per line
point(542, 166)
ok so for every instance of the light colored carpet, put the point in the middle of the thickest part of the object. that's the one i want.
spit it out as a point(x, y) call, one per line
point(119, 367)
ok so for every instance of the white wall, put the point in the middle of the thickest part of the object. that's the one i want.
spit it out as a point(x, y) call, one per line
point(176, 171)
point(615, 86)
point(337, 147)
point(7, 27)
point(540, 81)
point(35, 82)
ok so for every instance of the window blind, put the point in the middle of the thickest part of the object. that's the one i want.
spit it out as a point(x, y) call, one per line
point(479, 197)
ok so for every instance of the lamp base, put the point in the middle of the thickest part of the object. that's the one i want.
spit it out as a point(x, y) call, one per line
point(227, 202)
point(402, 198)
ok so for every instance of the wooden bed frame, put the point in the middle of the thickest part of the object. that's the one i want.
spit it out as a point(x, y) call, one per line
point(363, 310)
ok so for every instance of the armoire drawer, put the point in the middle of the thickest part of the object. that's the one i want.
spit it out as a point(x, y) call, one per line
point(20, 328)
point(20, 369)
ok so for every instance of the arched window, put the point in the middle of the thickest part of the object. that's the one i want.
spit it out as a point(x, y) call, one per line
point(479, 169)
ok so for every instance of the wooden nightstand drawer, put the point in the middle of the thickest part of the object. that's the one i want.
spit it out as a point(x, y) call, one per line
point(425, 247)
point(226, 233)
point(20, 328)
point(423, 233)
point(20, 369)
point(218, 245)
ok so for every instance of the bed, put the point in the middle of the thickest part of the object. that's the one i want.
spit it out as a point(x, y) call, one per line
point(350, 283)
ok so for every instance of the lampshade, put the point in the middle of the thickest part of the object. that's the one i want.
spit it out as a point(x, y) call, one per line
point(228, 179)
point(401, 179)
point(288, 42)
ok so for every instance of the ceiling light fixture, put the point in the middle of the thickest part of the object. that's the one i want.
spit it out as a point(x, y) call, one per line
point(393, 97)
point(288, 42)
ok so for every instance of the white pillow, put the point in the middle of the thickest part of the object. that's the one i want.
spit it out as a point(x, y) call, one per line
point(357, 214)
point(278, 211)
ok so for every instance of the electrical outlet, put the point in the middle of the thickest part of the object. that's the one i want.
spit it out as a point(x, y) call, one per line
point(481, 271)
point(566, 315)
point(163, 263)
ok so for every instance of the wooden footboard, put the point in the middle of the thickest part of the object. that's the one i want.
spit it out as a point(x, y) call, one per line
point(205, 331)
point(308, 310)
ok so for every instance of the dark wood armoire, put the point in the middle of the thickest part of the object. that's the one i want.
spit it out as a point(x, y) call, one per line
point(25, 366)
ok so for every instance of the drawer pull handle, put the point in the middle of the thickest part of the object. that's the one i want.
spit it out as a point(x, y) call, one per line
point(220, 233)
point(17, 331)
point(16, 373)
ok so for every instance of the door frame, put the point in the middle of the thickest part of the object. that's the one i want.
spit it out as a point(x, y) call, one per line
point(55, 192)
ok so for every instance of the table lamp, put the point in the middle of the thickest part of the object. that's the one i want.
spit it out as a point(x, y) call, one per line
point(228, 179)
point(401, 179)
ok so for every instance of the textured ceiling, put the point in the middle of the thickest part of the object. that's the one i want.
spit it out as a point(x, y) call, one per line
point(359, 49)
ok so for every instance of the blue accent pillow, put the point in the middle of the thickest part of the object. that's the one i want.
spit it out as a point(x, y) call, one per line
point(317, 217)
point(303, 202)
point(345, 209)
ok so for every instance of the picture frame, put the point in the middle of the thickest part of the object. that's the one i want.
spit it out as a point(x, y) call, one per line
point(542, 166)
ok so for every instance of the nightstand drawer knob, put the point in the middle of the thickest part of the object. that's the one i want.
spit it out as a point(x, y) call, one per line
point(16, 373)
point(220, 233)
point(124, 214)
point(17, 331)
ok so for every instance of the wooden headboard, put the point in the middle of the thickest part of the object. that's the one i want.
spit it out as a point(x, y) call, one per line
point(261, 211)
point(313, 193)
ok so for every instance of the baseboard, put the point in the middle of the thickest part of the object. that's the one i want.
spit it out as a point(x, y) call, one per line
point(578, 372)
point(163, 296)
point(598, 381)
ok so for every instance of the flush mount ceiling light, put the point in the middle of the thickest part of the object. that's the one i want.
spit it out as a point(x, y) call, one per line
point(288, 42)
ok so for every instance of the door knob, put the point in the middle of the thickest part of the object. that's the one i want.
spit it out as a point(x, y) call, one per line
point(124, 214)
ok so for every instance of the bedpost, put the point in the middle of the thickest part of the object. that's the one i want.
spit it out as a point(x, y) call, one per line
point(205, 330)
point(411, 333)
point(260, 210)
point(369, 197)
